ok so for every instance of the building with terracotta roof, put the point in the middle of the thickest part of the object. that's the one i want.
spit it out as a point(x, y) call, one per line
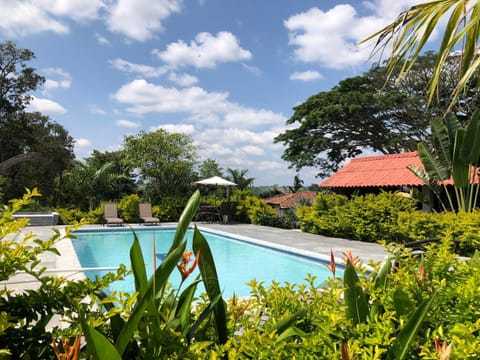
point(373, 174)
point(376, 172)
point(285, 202)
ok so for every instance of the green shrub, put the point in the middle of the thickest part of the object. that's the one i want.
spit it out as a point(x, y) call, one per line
point(257, 210)
point(366, 218)
point(128, 208)
point(69, 216)
point(94, 216)
point(169, 209)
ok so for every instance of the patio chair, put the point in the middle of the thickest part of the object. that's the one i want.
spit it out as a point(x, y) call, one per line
point(110, 214)
point(145, 214)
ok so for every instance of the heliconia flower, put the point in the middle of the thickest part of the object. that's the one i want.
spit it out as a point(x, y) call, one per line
point(331, 267)
point(70, 352)
point(240, 312)
point(354, 260)
point(421, 273)
point(184, 261)
point(444, 351)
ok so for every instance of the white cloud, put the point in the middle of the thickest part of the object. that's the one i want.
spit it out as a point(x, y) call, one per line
point(24, 17)
point(146, 97)
point(102, 40)
point(77, 10)
point(46, 107)
point(127, 124)
point(253, 150)
point(184, 80)
point(330, 37)
point(186, 129)
point(309, 75)
point(140, 19)
point(210, 108)
point(206, 51)
point(63, 79)
point(95, 109)
point(145, 70)
point(82, 142)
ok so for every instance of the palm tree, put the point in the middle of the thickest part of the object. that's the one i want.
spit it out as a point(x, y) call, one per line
point(240, 178)
point(411, 30)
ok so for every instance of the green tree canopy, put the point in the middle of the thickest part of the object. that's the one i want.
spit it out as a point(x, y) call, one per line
point(27, 136)
point(209, 168)
point(372, 111)
point(165, 162)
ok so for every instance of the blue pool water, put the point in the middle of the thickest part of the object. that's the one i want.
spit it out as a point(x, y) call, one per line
point(237, 261)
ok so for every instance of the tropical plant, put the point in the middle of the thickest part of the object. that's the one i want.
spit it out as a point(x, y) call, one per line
point(240, 178)
point(159, 315)
point(410, 31)
point(455, 154)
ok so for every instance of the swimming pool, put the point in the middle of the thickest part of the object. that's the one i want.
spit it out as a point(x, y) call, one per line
point(237, 261)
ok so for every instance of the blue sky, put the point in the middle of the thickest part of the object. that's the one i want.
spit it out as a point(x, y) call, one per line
point(225, 72)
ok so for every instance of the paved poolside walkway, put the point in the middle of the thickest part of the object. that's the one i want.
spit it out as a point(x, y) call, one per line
point(289, 240)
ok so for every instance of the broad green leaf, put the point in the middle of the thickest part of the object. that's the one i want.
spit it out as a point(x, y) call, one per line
point(400, 347)
point(383, 271)
point(433, 167)
point(208, 271)
point(116, 321)
point(184, 306)
point(138, 266)
point(291, 331)
point(471, 143)
point(161, 277)
point(355, 299)
point(441, 142)
point(185, 219)
point(98, 345)
point(460, 170)
point(287, 322)
point(207, 311)
point(403, 305)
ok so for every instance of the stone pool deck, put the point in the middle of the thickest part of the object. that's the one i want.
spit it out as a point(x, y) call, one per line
point(288, 240)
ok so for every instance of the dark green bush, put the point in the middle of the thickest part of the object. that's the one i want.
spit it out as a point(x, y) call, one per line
point(169, 208)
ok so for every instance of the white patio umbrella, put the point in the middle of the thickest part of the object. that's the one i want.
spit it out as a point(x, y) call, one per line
point(217, 181)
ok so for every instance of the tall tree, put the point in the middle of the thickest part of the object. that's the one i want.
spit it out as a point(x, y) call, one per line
point(25, 136)
point(368, 112)
point(165, 162)
point(209, 168)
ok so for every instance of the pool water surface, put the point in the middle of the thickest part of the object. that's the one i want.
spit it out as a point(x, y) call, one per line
point(237, 261)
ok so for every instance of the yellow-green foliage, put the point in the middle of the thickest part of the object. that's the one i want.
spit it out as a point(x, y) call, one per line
point(367, 218)
point(70, 216)
point(169, 209)
point(128, 208)
point(257, 210)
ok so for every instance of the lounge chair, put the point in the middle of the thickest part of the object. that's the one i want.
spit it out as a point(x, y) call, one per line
point(145, 214)
point(110, 214)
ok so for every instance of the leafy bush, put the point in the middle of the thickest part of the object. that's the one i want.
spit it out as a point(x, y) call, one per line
point(128, 208)
point(24, 316)
point(257, 210)
point(69, 216)
point(169, 209)
point(366, 218)
point(94, 216)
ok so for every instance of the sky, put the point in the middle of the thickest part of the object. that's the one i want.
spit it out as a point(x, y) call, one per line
point(227, 73)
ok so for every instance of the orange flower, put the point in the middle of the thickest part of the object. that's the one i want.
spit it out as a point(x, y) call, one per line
point(184, 261)
point(421, 273)
point(70, 352)
point(331, 267)
point(348, 257)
